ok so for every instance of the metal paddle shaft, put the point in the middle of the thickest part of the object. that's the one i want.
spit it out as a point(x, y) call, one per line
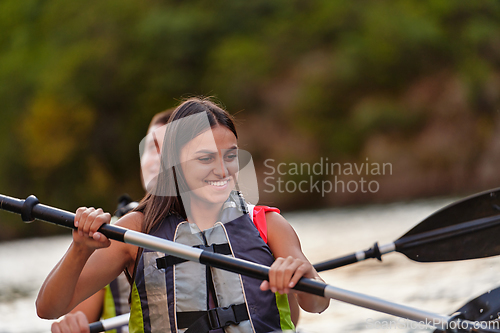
point(465, 229)
point(235, 265)
point(109, 324)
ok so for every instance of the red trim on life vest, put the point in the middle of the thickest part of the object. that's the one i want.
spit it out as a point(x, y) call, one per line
point(259, 219)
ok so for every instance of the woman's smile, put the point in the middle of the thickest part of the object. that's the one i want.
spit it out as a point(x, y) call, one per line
point(220, 184)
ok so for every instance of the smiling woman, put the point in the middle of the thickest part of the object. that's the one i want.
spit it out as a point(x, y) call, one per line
point(195, 201)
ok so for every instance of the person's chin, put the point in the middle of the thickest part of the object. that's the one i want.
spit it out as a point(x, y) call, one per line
point(208, 195)
point(218, 196)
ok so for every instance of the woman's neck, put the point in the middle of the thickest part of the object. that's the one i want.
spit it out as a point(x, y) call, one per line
point(204, 215)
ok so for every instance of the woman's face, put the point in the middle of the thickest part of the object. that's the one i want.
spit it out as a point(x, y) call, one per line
point(210, 165)
point(150, 159)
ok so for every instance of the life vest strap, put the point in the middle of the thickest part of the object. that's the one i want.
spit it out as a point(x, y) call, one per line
point(204, 321)
point(168, 261)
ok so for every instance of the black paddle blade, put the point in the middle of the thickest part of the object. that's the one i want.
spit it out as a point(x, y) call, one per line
point(466, 229)
point(482, 308)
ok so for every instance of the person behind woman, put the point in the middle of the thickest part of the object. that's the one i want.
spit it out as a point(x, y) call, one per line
point(113, 300)
point(193, 203)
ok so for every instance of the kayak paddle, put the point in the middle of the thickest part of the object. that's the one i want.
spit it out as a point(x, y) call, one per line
point(109, 324)
point(31, 209)
point(484, 308)
point(465, 229)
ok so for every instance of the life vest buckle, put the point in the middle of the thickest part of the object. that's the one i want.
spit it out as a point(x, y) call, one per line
point(222, 317)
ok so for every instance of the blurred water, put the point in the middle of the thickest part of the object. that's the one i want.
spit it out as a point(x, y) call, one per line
point(435, 287)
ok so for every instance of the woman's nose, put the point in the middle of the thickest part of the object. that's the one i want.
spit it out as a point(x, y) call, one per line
point(220, 169)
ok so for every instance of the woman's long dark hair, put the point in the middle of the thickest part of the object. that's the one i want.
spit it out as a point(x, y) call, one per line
point(157, 207)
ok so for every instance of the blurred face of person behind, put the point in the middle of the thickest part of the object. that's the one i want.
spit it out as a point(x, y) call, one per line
point(209, 164)
point(151, 157)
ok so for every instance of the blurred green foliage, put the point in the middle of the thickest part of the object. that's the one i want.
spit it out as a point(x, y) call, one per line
point(80, 81)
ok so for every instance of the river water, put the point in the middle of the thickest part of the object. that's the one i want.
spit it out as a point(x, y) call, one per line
point(435, 287)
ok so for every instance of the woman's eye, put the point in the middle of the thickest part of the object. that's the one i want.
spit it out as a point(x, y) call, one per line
point(205, 159)
point(231, 157)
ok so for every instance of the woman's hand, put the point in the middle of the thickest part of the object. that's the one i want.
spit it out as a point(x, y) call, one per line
point(284, 274)
point(88, 221)
point(291, 264)
point(71, 323)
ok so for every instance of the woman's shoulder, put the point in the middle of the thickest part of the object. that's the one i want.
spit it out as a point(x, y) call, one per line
point(268, 220)
point(282, 238)
point(264, 210)
point(275, 219)
point(133, 221)
point(276, 223)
